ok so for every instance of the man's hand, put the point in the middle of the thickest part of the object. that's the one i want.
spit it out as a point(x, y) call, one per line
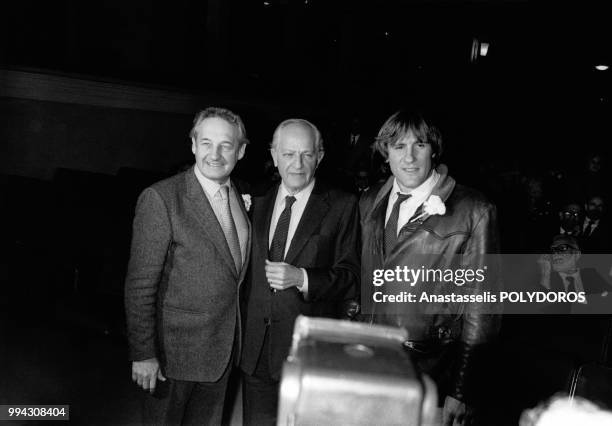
point(544, 263)
point(282, 276)
point(454, 412)
point(146, 373)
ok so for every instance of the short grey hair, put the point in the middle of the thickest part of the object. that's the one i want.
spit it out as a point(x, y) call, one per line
point(224, 114)
point(277, 133)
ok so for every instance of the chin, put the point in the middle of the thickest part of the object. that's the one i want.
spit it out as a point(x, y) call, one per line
point(296, 186)
point(215, 175)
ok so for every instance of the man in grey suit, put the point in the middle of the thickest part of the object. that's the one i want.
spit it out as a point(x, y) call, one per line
point(190, 248)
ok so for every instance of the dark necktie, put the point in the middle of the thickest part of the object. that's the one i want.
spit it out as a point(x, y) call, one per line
point(391, 228)
point(228, 225)
point(571, 285)
point(277, 249)
point(589, 228)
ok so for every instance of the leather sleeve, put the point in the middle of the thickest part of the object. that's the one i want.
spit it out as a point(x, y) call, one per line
point(480, 325)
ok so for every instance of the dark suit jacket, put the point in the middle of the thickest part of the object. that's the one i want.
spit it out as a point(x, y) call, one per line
point(599, 240)
point(182, 287)
point(326, 245)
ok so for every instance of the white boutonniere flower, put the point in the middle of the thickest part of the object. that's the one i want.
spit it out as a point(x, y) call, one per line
point(432, 206)
point(247, 201)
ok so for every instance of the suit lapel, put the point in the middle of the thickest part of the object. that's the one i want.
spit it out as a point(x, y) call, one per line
point(316, 209)
point(207, 218)
point(443, 189)
point(378, 215)
point(245, 261)
point(262, 216)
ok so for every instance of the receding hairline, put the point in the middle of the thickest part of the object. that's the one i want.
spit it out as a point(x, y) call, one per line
point(298, 122)
point(224, 114)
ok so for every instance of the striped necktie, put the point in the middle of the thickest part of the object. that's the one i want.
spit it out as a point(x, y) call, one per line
point(228, 225)
point(277, 248)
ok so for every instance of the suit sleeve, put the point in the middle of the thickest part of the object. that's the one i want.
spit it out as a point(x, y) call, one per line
point(151, 238)
point(341, 277)
point(480, 323)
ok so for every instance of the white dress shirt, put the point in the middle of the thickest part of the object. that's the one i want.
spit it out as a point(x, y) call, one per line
point(410, 206)
point(297, 210)
point(577, 281)
point(210, 188)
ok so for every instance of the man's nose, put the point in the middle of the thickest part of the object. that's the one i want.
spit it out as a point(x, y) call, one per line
point(408, 155)
point(298, 162)
point(216, 152)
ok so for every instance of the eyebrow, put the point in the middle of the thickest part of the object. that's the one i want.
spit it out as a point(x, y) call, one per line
point(222, 141)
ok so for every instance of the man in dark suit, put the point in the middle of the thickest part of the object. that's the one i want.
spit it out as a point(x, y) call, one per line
point(350, 152)
point(190, 245)
point(546, 347)
point(596, 233)
point(304, 260)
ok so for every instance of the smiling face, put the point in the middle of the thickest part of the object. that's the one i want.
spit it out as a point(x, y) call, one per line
point(410, 161)
point(296, 156)
point(216, 148)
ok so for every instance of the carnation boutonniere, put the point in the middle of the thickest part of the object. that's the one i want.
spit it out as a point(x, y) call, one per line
point(247, 201)
point(432, 206)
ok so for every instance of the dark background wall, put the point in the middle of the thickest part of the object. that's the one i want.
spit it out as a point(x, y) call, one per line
point(42, 136)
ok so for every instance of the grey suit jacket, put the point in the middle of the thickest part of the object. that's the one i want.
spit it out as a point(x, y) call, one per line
point(181, 291)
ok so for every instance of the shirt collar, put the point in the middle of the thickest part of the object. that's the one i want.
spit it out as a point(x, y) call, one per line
point(303, 193)
point(567, 274)
point(423, 190)
point(210, 186)
point(590, 221)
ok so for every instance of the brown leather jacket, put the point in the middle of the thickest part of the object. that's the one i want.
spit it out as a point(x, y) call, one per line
point(445, 338)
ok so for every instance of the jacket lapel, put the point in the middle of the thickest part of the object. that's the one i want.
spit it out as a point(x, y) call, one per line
point(443, 189)
point(245, 261)
point(262, 216)
point(316, 209)
point(207, 218)
point(378, 214)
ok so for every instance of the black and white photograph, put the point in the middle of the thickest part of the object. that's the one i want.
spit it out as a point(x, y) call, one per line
point(306, 212)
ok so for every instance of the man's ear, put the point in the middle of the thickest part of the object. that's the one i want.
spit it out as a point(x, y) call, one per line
point(273, 154)
point(241, 151)
point(320, 156)
point(193, 145)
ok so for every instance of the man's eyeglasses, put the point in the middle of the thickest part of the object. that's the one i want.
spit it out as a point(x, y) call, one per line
point(561, 248)
point(570, 214)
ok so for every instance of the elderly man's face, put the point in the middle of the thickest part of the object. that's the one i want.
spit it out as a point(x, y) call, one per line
point(564, 258)
point(296, 156)
point(410, 161)
point(216, 148)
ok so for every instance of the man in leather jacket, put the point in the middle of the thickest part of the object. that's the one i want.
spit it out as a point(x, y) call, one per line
point(419, 219)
